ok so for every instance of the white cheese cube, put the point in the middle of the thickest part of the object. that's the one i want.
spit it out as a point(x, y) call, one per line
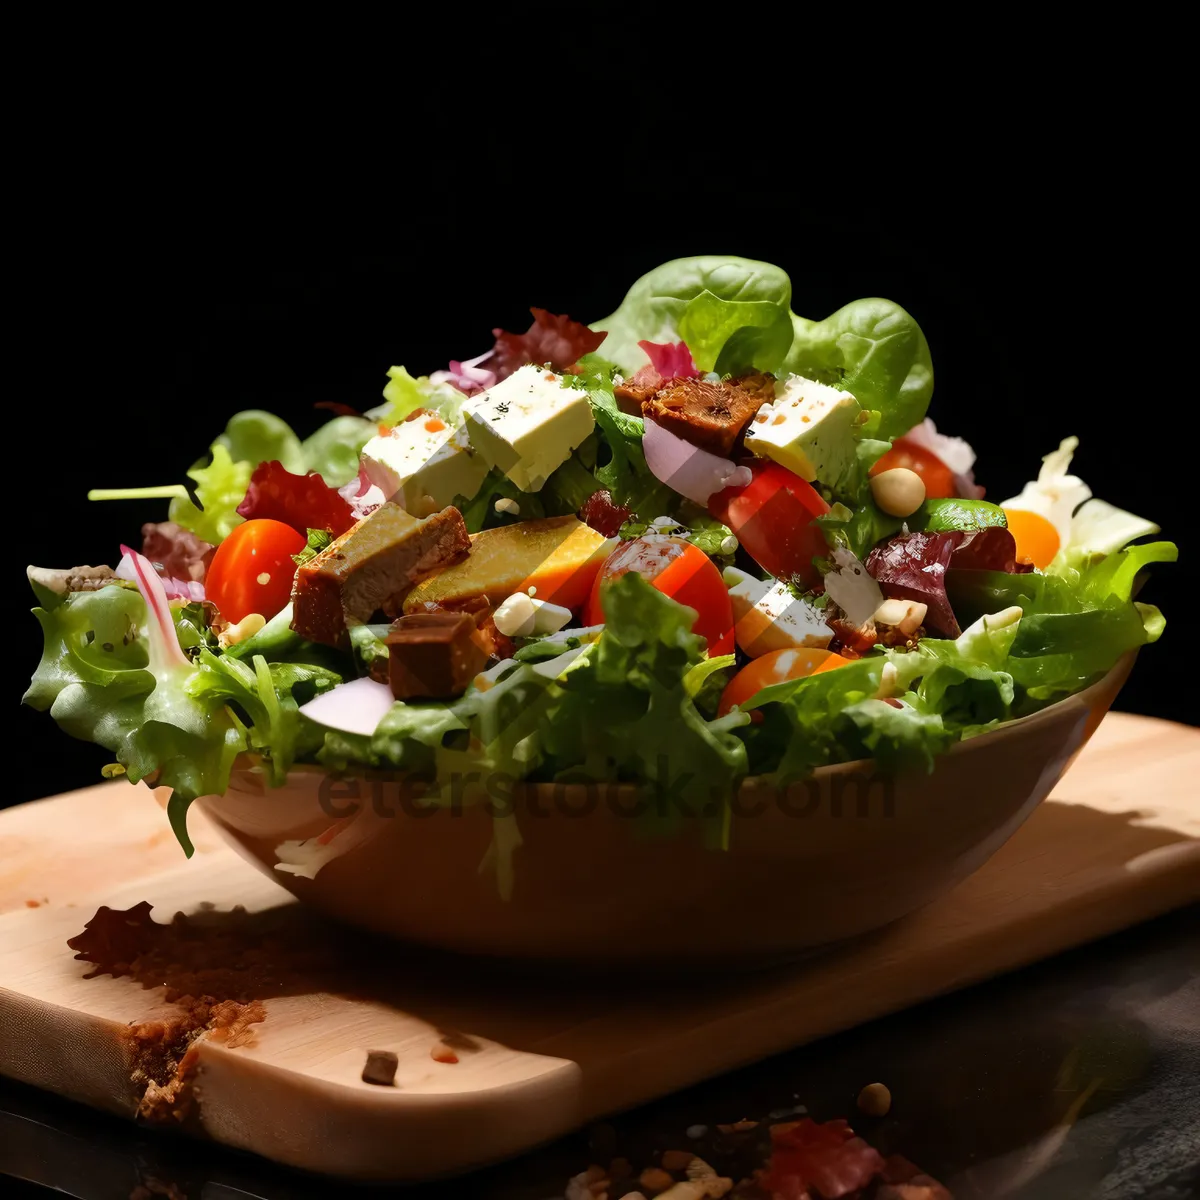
point(528, 424)
point(808, 428)
point(423, 464)
point(767, 616)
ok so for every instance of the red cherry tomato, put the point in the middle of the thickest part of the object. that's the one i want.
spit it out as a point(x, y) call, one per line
point(679, 570)
point(252, 570)
point(772, 517)
point(776, 667)
point(937, 477)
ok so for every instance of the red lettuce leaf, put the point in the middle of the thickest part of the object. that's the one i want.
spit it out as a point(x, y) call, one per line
point(302, 501)
point(990, 549)
point(552, 339)
point(672, 360)
point(913, 567)
point(176, 552)
point(828, 1158)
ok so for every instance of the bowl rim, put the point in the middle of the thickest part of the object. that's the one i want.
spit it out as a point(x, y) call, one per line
point(1015, 725)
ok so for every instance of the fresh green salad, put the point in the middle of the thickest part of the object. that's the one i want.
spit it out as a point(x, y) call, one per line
point(700, 539)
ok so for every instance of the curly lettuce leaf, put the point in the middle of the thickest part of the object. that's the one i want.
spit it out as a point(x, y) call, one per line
point(1077, 622)
point(178, 722)
point(220, 488)
point(622, 708)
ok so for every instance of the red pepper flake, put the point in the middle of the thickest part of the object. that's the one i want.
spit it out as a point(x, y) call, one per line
point(435, 425)
point(442, 1053)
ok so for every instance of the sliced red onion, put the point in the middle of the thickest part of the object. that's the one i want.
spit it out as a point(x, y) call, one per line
point(175, 589)
point(469, 377)
point(690, 471)
point(164, 649)
point(363, 496)
point(955, 452)
point(354, 707)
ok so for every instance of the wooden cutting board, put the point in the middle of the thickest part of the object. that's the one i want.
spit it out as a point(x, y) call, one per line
point(538, 1055)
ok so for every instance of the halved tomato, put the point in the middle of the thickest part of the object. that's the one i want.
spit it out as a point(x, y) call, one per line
point(776, 667)
point(252, 570)
point(773, 517)
point(935, 475)
point(679, 570)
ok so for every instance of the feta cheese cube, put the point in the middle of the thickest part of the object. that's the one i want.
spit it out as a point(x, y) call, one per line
point(423, 464)
point(808, 428)
point(767, 616)
point(528, 424)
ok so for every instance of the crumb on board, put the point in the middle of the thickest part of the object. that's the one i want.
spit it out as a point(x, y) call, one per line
point(380, 1068)
point(442, 1053)
point(875, 1100)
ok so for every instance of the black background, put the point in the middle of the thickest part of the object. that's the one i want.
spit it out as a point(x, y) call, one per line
point(1040, 292)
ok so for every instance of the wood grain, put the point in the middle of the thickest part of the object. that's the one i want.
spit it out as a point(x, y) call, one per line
point(538, 1053)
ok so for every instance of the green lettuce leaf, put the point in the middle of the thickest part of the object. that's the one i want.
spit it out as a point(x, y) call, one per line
point(255, 436)
point(220, 488)
point(873, 349)
point(620, 708)
point(178, 723)
point(334, 449)
point(739, 293)
point(1077, 622)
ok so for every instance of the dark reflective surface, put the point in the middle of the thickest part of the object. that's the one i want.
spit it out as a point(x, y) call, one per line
point(1078, 1077)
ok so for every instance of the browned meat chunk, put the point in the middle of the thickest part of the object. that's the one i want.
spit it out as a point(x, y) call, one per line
point(498, 644)
point(637, 389)
point(372, 567)
point(712, 416)
point(434, 655)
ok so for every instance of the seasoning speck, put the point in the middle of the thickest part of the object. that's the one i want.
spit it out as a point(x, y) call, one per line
point(381, 1068)
point(875, 1100)
point(442, 1053)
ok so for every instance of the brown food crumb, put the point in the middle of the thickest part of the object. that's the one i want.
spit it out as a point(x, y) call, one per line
point(380, 1068)
point(655, 1179)
point(677, 1160)
point(742, 1126)
point(33, 904)
point(875, 1100)
point(442, 1053)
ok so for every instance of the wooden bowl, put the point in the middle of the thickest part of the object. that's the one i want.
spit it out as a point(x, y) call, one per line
point(845, 852)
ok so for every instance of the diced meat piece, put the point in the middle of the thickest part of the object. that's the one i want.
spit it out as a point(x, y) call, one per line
point(711, 416)
point(499, 645)
point(372, 567)
point(558, 556)
point(434, 655)
point(637, 389)
point(70, 579)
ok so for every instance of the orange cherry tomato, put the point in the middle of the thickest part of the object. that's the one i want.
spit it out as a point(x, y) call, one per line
point(773, 518)
point(252, 570)
point(1037, 539)
point(936, 476)
point(679, 570)
point(776, 667)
